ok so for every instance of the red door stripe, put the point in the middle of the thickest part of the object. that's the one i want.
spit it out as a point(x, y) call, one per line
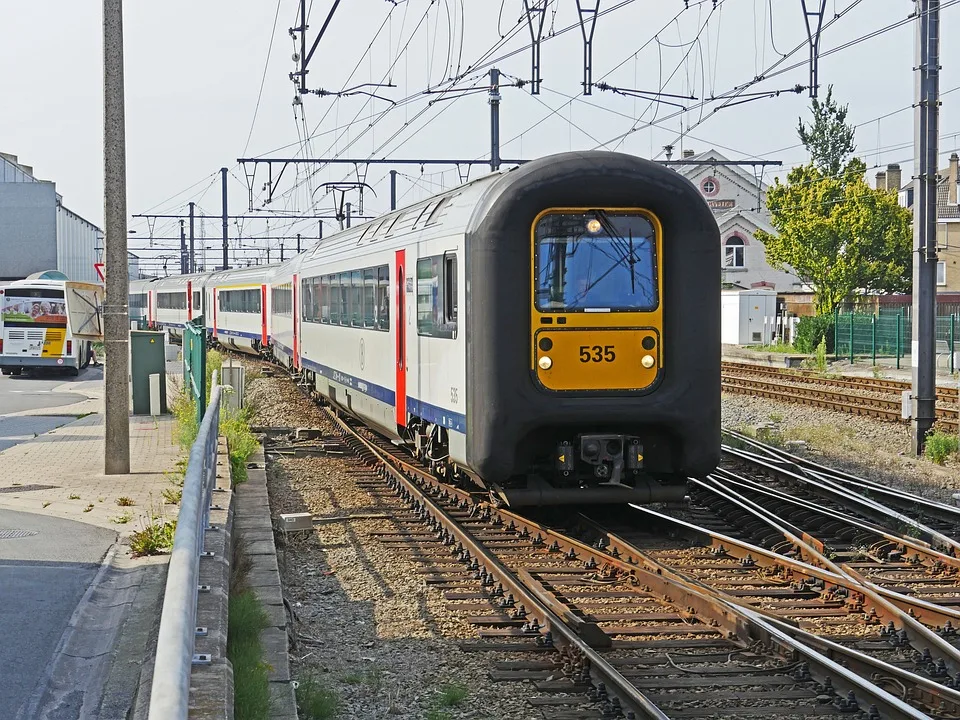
point(189, 300)
point(401, 392)
point(263, 314)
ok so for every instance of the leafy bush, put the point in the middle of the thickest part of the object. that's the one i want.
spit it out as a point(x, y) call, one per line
point(811, 329)
point(156, 537)
point(940, 445)
point(235, 426)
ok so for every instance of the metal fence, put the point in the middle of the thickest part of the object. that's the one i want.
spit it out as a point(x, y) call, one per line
point(170, 693)
point(888, 335)
point(195, 363)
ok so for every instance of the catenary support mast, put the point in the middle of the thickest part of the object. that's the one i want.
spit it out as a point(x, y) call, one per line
point(926, 129)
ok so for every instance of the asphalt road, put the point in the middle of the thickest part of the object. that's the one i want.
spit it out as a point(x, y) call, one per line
point(46, 565)
point(24, 392)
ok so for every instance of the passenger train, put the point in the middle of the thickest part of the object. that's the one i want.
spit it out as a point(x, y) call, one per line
point(549, 333)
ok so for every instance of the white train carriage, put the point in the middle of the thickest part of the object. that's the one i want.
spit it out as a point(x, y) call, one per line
point(283, 322)
point(140, 302)
point(177, 300)
point(239, 308)
point(379, 334)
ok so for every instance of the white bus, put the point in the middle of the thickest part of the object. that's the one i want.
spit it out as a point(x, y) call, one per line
point(48, 322)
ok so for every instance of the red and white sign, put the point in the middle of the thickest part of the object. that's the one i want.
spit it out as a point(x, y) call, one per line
point(101, 271)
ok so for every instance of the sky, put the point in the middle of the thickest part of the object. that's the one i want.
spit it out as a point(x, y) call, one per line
point(208, 82)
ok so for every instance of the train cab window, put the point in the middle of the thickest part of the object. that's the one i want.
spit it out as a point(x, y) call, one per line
point(369, 297)
point(383, 297)
point(595, 261)
point(436, 296)
point(356, 299)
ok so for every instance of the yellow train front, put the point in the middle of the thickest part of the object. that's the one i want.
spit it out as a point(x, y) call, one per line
point(593, 333)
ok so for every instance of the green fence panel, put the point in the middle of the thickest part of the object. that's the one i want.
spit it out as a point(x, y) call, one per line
point(195, 364)
point(887, 335)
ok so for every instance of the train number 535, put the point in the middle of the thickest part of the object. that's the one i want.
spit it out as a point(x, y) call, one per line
point(597, 353)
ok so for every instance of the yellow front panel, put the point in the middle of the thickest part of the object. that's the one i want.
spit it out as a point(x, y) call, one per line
point(595, 351)
point(53, 342)
point(596, 359)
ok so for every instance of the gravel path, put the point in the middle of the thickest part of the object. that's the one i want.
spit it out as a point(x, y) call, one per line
point(369, 628)
point(879, 451)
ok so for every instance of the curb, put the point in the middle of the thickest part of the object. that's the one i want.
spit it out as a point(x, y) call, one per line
point(252, 522)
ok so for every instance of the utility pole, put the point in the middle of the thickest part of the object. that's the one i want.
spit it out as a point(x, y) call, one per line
point(116, 318)
point(926, 129)
point(393, 189)
point(223, 191)
point(184, 258)
point(494, 119)
point(298, 243)
point(193, 258)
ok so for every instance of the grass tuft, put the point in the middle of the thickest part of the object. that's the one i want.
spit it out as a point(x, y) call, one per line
point(940, 445)
point(452, 695)
point(316, 702)
point(172, 495)
point(122, 519)
point(124, 501)
point(154, 538)
point(247, 619)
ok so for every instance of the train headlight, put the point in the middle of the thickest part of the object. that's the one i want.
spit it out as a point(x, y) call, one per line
point(647, 361)
point(593, 226)
point(545, 363)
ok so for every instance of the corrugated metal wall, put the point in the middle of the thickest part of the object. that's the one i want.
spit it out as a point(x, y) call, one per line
point(77, 242)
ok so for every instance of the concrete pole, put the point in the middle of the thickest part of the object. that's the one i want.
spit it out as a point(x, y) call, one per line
point(393, 189)
point(184, 258)
point(116, 319)
point(349, 213)
point(926, 129)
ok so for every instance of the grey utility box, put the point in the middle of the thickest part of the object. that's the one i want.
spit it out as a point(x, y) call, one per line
point(146, 359)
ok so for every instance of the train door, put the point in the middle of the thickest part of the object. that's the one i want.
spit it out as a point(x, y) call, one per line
point(263, 315)
point(401, 323)
point(296, 322)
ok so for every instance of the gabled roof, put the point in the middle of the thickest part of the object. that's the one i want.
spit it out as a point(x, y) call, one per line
point(946, 210)
point(730, 217)
point(702, 158)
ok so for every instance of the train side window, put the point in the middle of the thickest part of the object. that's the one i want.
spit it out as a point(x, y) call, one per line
point(356, 298)
point(383, 297)
point(434, 309)
point(450, 289)
point(196, 299)
point(324, 305)
point(344, 298)
point(334, 299)
point(369, 297)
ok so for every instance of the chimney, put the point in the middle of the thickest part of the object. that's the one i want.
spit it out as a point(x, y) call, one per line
point(952, 180)
point(881, 181)
point(688, 154)
point(893, 178)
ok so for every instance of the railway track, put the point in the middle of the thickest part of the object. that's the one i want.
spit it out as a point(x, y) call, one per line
point(603, 636)
point(883, 400)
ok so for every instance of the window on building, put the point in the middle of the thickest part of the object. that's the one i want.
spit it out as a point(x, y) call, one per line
point(709, 187)
point(436, 296)
point(941, 273)
point(733, 253)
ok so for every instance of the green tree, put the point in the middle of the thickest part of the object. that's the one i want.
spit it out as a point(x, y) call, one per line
point(838, 234)
point(828, 139)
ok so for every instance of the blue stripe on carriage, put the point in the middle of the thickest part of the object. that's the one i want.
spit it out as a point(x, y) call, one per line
point(435, 414)
point(281, 346)
point(378, 392)
point(237, 333)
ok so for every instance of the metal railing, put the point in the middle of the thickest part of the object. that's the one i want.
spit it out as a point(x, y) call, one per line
point(170, 692)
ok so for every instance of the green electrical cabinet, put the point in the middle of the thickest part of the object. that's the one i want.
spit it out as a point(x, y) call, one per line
point(147, 358)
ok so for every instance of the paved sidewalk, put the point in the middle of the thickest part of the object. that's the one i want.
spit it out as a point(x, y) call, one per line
point(60, 473)
point(96, 646)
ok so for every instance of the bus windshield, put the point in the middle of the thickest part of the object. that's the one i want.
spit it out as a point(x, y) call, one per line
point(595, 261)
point(33, 307)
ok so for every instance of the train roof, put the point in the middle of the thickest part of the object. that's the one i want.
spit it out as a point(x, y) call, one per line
point(250, 275)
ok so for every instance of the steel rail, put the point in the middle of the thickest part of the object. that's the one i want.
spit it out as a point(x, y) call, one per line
point(844, 496)
point(170, 689)
point(619, 686)
point(946, 512)
point(794, 375)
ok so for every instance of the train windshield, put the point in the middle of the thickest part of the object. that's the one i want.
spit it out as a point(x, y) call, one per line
point(595, 261)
